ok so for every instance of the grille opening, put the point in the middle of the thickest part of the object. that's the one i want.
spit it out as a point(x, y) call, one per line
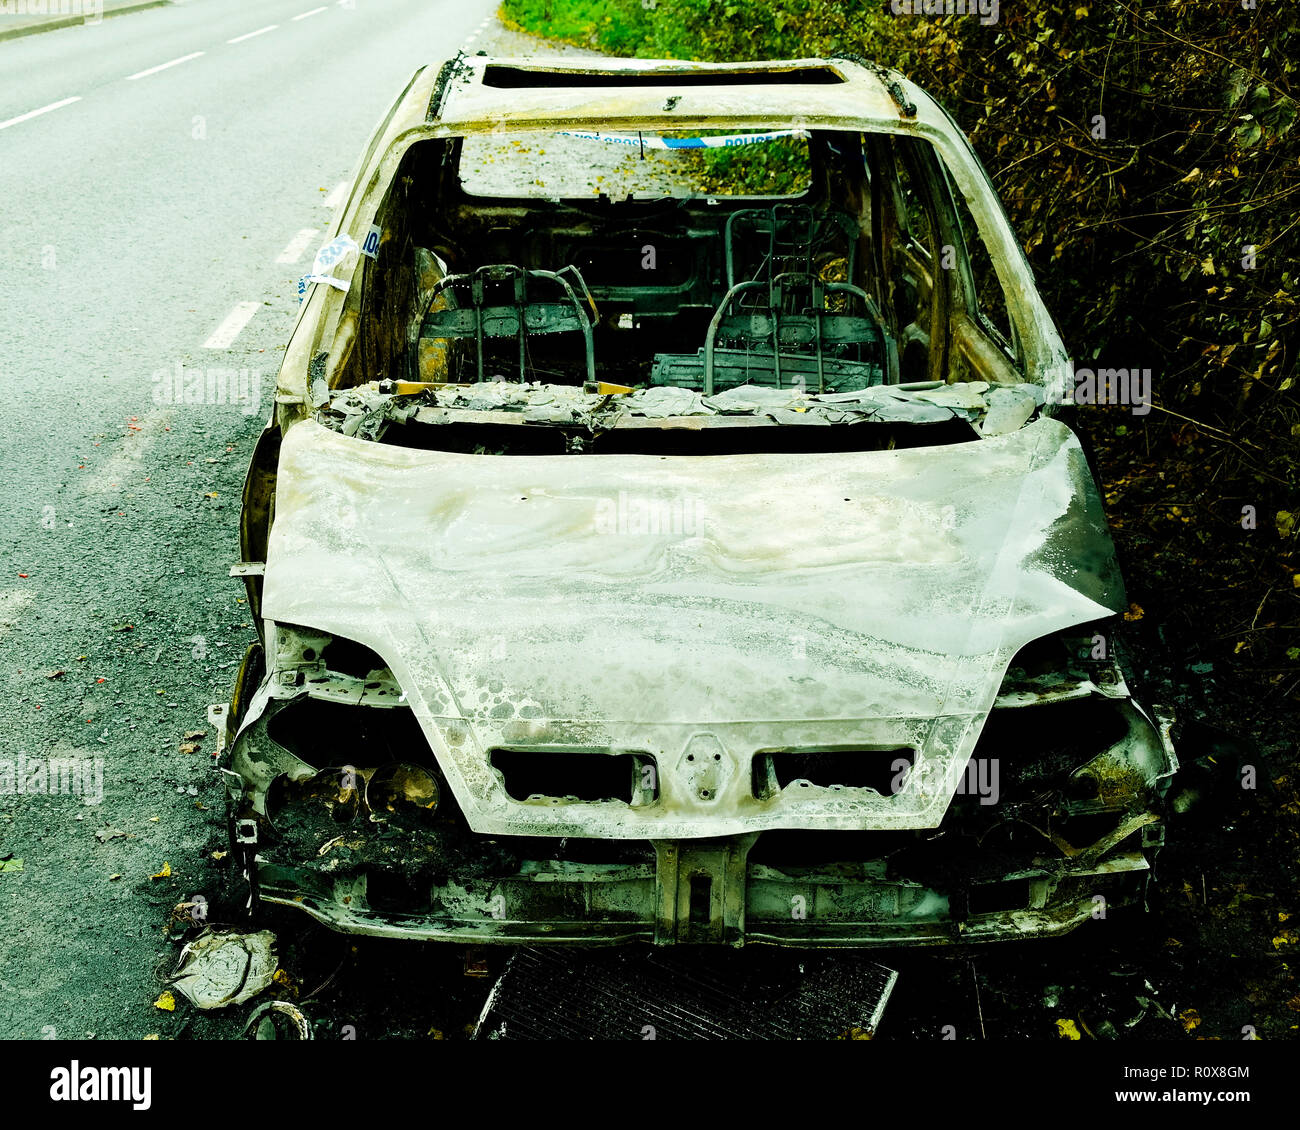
point(990, 898)
point(325, 733)
point(536, 78)
point(882, 770)
point(701, 895)
point(585, 775)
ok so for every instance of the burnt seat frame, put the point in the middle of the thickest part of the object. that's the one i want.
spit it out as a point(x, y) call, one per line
point(795, 233)
point(816, 326)
point(524, 317)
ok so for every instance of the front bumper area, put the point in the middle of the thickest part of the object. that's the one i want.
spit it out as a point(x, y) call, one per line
point(575, 903)
point(1067, 833)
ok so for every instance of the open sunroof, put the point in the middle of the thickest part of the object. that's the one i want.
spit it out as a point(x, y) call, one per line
point(515, 78)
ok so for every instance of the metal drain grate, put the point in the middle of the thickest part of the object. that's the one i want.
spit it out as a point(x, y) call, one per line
point(569, 994)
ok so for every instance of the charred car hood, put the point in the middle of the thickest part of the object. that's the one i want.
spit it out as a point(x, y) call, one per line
point(698, 609)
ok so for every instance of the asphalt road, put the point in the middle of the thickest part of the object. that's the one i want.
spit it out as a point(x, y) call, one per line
point(164, 179)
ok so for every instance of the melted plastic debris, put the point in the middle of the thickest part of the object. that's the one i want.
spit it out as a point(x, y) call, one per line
point(220, 968)
point(367, 411)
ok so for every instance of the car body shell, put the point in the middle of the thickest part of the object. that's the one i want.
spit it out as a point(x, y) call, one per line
point(871, 603)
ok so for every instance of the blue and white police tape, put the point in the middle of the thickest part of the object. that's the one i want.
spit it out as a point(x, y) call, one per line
point(337, 251)
point(654, 141)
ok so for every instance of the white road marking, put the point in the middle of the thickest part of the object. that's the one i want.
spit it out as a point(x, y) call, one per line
point(297, 245)
point(313, 12)
point(335, 198)
point(37, 113)
point(127, 457)
point(223, 337)
point(164, 66)
point(250, 34)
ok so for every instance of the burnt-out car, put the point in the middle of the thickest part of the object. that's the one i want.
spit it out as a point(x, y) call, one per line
point(639, 560)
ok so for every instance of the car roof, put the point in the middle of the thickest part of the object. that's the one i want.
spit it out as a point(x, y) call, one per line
point(474, 92)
